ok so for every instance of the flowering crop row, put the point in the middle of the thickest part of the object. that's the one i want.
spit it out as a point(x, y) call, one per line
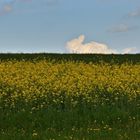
point(67, 84)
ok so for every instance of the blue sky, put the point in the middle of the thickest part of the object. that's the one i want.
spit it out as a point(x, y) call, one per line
point(50, 25)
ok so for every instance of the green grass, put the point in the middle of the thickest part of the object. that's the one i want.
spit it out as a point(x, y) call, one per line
point(101, 123)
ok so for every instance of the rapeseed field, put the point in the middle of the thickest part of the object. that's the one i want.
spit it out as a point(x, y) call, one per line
point(51, 98)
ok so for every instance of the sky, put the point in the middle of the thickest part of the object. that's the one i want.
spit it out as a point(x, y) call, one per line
point(70, 26)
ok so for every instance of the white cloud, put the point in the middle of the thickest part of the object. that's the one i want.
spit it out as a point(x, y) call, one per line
point(77, 46)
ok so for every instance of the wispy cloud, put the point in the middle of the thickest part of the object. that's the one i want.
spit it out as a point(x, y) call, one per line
point(8, 5)
point(135, 13)
point(130, 50)
point(122, 28)
point(77, 46)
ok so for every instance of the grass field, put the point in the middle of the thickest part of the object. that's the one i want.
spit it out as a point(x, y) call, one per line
point(69, 96)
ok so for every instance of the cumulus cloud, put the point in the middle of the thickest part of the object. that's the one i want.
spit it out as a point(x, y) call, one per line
point(77, 46)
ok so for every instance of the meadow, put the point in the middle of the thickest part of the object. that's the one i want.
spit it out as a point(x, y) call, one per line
point(69, 96)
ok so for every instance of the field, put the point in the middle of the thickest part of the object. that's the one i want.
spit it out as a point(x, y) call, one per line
point(69, 96)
